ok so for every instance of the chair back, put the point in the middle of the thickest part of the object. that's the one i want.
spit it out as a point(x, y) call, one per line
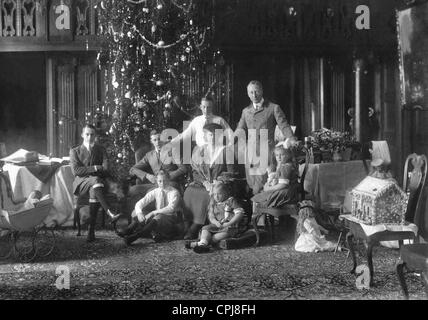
point(415, 171)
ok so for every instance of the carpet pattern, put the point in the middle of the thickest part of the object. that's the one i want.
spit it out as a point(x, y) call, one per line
point(107, 269)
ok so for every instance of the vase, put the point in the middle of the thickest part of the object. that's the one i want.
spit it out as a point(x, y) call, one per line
point(337, 156)
point(346, 155)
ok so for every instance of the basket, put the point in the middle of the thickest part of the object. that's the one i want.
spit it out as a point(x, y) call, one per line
point(27, 220)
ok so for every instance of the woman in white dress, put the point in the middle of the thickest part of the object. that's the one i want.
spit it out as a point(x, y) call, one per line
point(310, 232)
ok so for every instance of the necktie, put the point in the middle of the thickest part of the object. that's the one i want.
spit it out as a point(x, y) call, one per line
point(163, 199)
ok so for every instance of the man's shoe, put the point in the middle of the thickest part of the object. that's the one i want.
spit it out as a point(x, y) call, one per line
point(156, 236)
point(190, 244)
point(201, 249)
point(128, 240)
point(115, 217)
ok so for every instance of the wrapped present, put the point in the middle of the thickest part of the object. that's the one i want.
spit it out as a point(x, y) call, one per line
point(379, 201)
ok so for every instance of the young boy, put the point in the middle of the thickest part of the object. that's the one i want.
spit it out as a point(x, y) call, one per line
point(160, 222)
point(226, 218)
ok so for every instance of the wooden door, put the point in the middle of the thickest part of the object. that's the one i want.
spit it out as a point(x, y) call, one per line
point(73, 84)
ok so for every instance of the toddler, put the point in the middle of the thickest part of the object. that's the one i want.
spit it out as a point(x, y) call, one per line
point(226, 216)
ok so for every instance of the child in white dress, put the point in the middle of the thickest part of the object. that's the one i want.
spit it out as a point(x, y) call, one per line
point(310, 232)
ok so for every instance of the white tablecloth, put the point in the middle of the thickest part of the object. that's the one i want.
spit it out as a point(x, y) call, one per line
point(59, 186)
point(372, 229)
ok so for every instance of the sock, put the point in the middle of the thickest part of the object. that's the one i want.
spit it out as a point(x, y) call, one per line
point(202, 242)
point(100, 197)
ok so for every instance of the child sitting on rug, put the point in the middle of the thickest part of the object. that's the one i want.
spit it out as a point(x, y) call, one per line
point(226, 216)
point(157, 224)
point(310, 232)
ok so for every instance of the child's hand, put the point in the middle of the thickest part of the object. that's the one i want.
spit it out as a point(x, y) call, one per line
point(218, 224)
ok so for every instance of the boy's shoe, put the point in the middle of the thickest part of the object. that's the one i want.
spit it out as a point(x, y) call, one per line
point(188, 244)
point(201, 249)
point(156, 236)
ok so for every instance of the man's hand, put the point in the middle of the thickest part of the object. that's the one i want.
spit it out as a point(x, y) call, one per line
point(207, 186)
point(141, 218)
point(151, 178)
point(99, 168)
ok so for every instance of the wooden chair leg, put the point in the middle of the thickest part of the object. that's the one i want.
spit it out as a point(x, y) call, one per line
point(76, 220)
point(399, 268)
point(254, 221)
point(424, 277)
point(271, 227)
point(349, 241)
point(370, 260)
point(103, 218)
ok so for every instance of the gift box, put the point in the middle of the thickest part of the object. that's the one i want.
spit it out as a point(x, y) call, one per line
point(379, 201)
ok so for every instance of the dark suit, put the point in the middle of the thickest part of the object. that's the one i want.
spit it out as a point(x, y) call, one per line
point(83, 167)
point(267, 117)
point(152, 163)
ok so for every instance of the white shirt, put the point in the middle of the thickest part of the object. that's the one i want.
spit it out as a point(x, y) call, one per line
point(171, 202)
point(195, 129)
point(258, 105)
point(88, 146)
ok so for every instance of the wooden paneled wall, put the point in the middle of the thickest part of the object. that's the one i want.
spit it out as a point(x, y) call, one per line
point(87, 92)
point(66, 108)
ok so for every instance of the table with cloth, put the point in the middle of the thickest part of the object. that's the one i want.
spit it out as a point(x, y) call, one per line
point(57, 181)
point(327, 183)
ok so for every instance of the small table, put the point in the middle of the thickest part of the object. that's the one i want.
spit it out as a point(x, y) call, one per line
point(371, 239)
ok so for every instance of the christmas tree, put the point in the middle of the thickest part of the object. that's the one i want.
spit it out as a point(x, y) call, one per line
point(152, 49)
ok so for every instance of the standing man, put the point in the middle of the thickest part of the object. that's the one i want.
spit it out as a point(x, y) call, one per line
point(261, 115)
point(89, 166)
point(195, 129)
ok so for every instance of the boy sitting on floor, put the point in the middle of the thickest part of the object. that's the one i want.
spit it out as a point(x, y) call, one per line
point(160, 223)
point(226, 216)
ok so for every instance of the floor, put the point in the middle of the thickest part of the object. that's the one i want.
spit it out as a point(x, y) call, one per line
point(108, 269)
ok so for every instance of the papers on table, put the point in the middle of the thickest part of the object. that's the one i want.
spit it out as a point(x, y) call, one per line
point(48, 161)
point(22, 156)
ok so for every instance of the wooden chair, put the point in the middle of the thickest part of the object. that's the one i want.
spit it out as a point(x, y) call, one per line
point(413, 184)
point(287, 210)
point(415, 256)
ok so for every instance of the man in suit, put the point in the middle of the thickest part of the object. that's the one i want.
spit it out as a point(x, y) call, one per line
point(259, 118)
point(160, 158)
point(89, 166)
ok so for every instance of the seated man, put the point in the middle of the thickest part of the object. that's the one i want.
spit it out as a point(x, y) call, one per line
point(89, 166)
point(148, 167)
point(158, 223)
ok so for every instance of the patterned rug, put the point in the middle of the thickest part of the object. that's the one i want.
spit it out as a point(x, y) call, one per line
point(107, 269)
